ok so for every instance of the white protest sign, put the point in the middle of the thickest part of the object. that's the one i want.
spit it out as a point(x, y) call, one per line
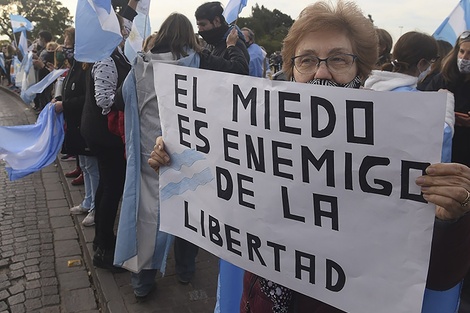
point(309, 186)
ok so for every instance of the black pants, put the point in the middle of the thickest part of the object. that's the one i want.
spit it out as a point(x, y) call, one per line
point(112, 168)
point(185, 258)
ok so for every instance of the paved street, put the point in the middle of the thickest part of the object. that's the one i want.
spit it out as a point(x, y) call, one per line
point(39, 239)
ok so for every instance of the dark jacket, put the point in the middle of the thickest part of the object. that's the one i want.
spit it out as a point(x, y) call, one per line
point(234, 61)
point(220, 50)
point(73, 99)
point(461, 91)
point(94, 126)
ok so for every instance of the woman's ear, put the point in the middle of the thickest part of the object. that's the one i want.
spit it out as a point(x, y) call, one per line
point(423, 65)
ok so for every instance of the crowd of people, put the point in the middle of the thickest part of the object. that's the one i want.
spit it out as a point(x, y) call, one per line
point(328, 44)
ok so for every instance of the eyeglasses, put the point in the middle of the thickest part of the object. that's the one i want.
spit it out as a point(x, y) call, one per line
point(465, 35)
point(339, 63)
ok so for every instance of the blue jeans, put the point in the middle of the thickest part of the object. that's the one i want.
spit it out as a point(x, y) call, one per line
point(143, 282)
point(91, 177)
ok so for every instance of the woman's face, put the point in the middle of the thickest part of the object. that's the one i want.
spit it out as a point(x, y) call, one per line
point(68, 42)
point(464, 50)
point(324, 44)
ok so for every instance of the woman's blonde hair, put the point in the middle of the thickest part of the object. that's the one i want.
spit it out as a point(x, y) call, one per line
point(345, 17)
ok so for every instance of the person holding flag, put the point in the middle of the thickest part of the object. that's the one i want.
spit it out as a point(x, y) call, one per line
point(100, 114)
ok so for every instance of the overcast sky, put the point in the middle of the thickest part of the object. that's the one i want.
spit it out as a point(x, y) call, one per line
point(396, 16)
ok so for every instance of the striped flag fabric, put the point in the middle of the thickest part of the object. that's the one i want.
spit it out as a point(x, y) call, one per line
point(143, 6)
point(23, 44)
point(28, 95)
point(20, 23)
point(457, 22)
point(140, 30)
point(232, 9)
point(29, 148)
point(97, 30)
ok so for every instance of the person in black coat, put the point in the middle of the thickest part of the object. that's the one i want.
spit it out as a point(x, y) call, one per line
point(71, 103)
point(103, 80)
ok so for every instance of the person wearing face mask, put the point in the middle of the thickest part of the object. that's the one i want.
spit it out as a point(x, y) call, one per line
point(455, 77)
point(71, 102)
point(411, 61)
point(443, 48)
point(213, 28)
point(335, 45)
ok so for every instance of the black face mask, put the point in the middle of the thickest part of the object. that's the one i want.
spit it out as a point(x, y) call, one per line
point(214, 35)
point(355, 83)
point(68, 54)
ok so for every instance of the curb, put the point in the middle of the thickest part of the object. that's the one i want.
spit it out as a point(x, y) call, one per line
point(103, 282)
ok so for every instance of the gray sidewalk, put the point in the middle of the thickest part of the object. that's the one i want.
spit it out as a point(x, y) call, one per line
point(39, 238)
point(115, 292)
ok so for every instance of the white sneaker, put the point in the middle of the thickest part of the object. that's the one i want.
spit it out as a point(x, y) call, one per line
point(78, 209)
point(89, 220)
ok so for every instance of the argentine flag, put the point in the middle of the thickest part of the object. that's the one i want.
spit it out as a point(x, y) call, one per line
point(97, 30)
point(20, 23)
point(28, 95)
point(457, 22)
point(23, 44)
point(140, 30)
point(29, 148)
point(233, 8)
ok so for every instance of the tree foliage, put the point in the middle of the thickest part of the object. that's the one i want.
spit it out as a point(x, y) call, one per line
point(270, 27)
point(48, 15)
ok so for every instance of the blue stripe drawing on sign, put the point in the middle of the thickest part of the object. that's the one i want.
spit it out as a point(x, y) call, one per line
point(187, 158)
point(179, 188)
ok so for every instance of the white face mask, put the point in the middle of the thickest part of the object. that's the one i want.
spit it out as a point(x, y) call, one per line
point(424, 73)
point(464, 66)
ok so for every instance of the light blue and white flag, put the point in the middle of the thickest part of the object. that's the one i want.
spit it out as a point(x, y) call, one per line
point(143, 6)
point(2, 62)
point(457, 22)
point(28, 77)
point(27, 62)
point(232, 9)
point(23, 44)
point(15, 69)
point(28, 95)
point(29, 148)
point(140, 30)
point(97, 30)
point(20, 23)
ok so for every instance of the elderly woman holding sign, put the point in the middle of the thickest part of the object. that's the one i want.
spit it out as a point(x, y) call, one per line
point(337, 46)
